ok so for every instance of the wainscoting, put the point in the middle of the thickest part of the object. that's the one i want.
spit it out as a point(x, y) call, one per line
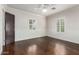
point(41, 46)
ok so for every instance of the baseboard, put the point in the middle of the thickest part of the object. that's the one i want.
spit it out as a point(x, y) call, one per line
point(49, 37)
point(63, 40)
point(29, 38)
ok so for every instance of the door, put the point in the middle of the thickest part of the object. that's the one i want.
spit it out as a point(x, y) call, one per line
point(9, 28)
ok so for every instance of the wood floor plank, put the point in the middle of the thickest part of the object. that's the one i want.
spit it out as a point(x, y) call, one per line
point(42, 46)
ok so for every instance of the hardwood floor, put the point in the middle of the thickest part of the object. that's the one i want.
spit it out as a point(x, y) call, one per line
point(41, 46)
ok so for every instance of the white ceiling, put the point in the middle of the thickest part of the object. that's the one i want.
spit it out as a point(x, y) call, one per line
point(35, 9)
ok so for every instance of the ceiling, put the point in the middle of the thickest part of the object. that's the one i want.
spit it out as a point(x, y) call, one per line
point(37, 8)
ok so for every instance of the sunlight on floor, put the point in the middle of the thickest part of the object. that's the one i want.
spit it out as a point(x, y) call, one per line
point(32, 49)
point(59, 49)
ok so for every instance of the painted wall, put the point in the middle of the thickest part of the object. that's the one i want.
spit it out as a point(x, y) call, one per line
point(71, 19)
point(22, 30)
point(1, 28)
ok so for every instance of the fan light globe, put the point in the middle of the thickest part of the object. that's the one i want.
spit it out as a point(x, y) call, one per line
point(44, 10)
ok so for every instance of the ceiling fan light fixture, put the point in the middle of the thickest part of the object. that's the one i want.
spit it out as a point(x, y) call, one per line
point(44, 10)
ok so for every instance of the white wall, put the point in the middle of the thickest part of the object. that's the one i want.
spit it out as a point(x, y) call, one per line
point(71, 17)
point(1, 28)
point(22, 24)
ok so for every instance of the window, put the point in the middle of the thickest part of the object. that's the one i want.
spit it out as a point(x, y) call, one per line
point(60, 25)
point(31, 24)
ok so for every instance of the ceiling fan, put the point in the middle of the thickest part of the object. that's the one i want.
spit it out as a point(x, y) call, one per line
point(45, 7)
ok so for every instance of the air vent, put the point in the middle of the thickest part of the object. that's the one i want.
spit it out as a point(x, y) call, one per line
point(53, 8)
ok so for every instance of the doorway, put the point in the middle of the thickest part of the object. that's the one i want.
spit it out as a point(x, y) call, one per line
point(9, 28)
